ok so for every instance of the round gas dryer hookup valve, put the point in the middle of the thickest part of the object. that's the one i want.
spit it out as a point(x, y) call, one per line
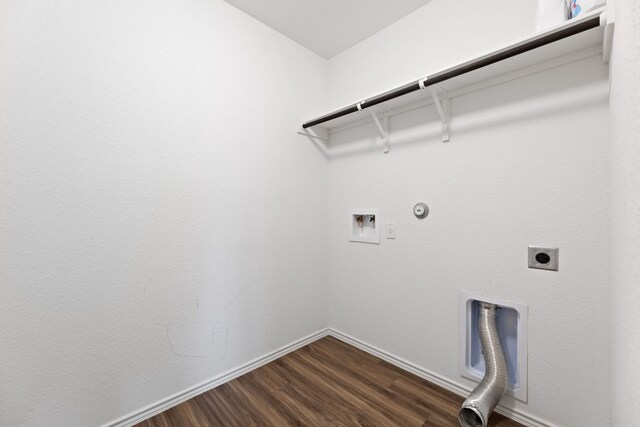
point(421, 210)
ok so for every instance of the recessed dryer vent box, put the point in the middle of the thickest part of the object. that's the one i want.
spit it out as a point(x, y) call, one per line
point(512, 328)
point(365, 226)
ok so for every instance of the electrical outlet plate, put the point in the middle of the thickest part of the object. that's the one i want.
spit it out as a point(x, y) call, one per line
point(543, 258)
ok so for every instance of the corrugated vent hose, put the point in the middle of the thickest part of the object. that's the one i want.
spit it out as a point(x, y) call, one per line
point(483, 399)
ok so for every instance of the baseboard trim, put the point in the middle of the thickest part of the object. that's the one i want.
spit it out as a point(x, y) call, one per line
point(459, 389)
point(171, 401)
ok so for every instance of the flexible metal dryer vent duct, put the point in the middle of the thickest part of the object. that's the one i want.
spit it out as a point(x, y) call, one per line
point(476, 409)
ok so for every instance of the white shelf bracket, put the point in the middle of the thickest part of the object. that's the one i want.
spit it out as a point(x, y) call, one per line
point(442, 105)
point(383, 129)
point(320, 141)
point(306, 133)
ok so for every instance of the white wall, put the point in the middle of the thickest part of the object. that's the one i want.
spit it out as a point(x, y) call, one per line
point(435, 36)
point(151, 179)
point(528, 163)
point(151, 235)
point(625, 125)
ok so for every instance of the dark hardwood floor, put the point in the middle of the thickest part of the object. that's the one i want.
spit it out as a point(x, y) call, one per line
point(326, 383)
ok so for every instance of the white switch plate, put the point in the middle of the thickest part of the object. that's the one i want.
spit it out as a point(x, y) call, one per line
point(391, 230)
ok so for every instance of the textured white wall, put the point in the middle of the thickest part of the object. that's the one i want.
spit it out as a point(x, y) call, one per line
point(528, 163)
point(625, 125)
point(151, 234)
point(433, 37)
point(133, 269)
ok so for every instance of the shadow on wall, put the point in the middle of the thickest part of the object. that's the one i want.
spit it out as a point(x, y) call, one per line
point(549, 93)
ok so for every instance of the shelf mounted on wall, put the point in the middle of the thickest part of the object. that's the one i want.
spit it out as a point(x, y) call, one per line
point(591, 30)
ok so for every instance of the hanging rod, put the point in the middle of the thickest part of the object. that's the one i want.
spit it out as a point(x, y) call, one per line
point(568, 30)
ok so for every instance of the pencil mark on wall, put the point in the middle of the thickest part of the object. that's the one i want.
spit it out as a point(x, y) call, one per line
point(197, 340)
point(191, 340)
point(243, 269)
point(221, 339)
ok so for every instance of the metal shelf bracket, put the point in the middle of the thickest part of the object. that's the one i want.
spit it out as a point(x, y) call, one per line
point(442, 103)
point(383, 128)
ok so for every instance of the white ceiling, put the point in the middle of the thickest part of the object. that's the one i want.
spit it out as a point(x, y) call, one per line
point(328, 27)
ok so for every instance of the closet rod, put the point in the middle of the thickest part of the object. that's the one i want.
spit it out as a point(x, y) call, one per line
point(492, 58)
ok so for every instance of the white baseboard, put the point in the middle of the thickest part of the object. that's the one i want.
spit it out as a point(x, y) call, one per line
point(171, 401)
point(514, 414)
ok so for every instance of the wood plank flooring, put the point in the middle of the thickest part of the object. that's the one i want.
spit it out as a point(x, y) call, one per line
point(326, 383)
